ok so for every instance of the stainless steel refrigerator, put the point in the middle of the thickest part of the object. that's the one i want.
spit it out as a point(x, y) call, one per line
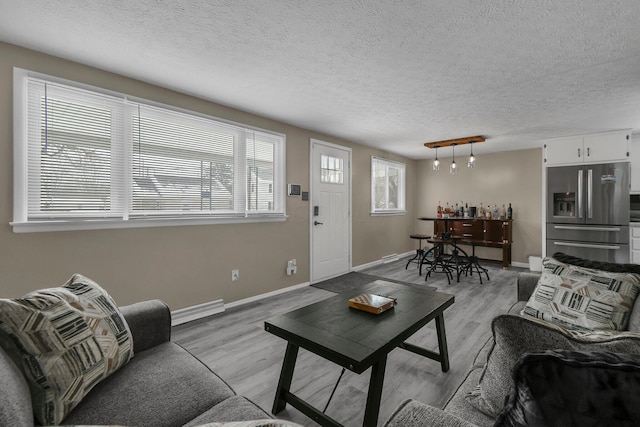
point(588, 211)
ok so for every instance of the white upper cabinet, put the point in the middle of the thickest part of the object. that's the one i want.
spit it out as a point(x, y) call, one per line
point(564, 150)
point(608, 146)
point(603, 147)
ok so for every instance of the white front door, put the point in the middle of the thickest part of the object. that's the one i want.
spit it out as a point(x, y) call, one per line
point(330, 210)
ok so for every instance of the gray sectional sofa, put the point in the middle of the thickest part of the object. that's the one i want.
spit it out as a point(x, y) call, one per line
point(163, 385)
point(516, 342)
point(528, 373)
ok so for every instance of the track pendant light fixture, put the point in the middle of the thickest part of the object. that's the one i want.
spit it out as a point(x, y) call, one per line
point(472, 160)
point(453, 168)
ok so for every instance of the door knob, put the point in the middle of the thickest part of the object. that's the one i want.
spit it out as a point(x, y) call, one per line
point(317, 223)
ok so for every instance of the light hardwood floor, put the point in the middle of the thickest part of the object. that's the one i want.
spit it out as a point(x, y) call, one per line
point(236, 347)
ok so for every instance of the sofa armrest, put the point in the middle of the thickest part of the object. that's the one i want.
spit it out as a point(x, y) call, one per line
point(150, 323)
point(412, 413)
point(526, 283)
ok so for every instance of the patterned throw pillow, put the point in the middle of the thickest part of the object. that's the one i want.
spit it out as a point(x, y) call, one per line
point(558, 267)
point(581, 298)
point(65, 340)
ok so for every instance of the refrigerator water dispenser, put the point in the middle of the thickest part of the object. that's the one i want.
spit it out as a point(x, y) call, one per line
point(564, 204)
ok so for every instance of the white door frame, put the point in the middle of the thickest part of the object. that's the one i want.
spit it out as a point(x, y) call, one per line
point(312, 166)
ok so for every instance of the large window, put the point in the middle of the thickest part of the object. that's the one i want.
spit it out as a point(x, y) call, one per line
point(87, 158)
point(387, 187)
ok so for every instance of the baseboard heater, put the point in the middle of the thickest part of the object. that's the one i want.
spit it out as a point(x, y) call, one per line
point(390, 258)
point(195, 312)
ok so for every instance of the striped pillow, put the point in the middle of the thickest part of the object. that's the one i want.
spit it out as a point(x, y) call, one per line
point(65, 340)
point(560, 268)
point(583, 300)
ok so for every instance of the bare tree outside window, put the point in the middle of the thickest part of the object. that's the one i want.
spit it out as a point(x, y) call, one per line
point(387, 180)
point(89, 153)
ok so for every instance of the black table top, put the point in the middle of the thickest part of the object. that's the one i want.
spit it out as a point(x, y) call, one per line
point(356, 339)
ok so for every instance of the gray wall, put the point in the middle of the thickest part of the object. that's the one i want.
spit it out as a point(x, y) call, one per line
point(190, 265)
point(499, 178)
point(184, 265)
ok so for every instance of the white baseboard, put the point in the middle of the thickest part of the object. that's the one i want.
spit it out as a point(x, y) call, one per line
point(390, 258)
point(520, 264)
point(382, 260)
point(413, 252)
point(265, 295)
point(365, 266)
point(195, 312)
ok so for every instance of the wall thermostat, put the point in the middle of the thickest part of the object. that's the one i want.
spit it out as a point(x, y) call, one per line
point(294, 189)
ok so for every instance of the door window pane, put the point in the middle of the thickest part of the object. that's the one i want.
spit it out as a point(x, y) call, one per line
point(331, 170)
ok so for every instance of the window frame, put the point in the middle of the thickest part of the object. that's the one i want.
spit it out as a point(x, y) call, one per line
point(126, 217)
point(402, 185)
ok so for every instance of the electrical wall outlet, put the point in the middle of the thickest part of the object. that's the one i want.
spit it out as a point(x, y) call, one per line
point(292, 268)
point(235, 275)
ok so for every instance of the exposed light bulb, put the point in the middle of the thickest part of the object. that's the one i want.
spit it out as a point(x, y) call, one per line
point(453, 168)
point(472, 160)
point(436, 162)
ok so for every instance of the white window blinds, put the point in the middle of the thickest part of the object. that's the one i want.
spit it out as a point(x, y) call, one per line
point(262, 151)
point(72, 135)
point(387, 186)
point(183, 165)
point(88, 154)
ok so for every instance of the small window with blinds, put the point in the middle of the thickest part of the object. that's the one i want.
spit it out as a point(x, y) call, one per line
point(387, 187)
point(88, 158)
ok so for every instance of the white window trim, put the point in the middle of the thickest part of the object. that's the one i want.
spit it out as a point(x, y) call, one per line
point(20, 222)
point(389, 213)
point(403, 182)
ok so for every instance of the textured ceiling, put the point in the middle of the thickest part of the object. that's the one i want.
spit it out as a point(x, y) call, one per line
point(389, 74)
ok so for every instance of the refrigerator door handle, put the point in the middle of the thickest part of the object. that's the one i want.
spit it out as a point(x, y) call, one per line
point(590, 194)
point(586, 245)
point(577, 227)
point(580, 213)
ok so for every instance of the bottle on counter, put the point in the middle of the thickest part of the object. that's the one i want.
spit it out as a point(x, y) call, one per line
point(439, 210)
point(509, 212)
point(466, 210)
point(503, 212)
point(480, 211)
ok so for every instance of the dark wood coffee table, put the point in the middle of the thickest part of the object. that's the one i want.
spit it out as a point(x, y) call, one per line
point(357, 340)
